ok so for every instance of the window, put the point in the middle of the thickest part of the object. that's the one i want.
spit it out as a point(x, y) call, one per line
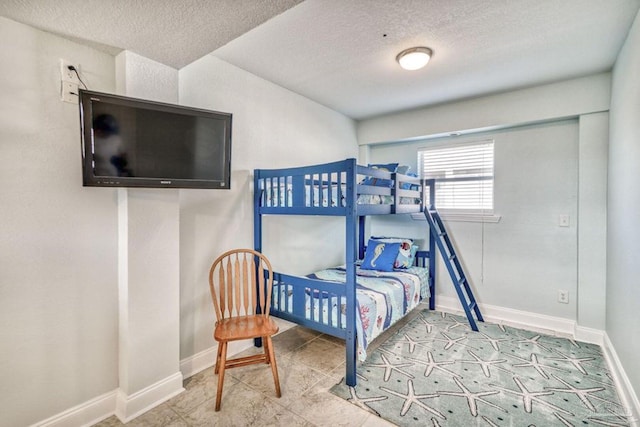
point(463, 174)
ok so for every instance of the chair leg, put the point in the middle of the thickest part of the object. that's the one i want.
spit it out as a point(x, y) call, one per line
point(274, 368)
point(267, 355)
point(218, 358)
point(223, 361)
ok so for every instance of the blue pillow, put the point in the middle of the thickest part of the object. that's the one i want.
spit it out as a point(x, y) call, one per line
point(406, 185)
point(380, 182)
point(380, 256)
point(406, 251)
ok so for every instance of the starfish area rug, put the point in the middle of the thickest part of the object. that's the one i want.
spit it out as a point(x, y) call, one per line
point(436, 371)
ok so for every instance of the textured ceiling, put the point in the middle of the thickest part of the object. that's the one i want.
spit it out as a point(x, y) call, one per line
point(172, 32)
point(341, 53)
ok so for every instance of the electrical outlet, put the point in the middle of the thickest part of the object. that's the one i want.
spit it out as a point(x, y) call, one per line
point(563, 220)
point(67, 75)
point(69, 92)
point(563, 296)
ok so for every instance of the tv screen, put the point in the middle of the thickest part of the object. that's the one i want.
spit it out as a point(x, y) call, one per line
point(128, 142)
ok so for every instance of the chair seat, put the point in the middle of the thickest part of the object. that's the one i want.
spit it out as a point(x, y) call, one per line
point(245, 327)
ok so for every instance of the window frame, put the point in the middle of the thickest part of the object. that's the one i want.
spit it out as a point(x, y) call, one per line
point(475, 214)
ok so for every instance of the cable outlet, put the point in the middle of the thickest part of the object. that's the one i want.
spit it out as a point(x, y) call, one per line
point(563, 296)
point(69, 92)
point(68, 75)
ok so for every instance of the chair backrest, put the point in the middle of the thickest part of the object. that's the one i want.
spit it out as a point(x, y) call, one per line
point(238, 285)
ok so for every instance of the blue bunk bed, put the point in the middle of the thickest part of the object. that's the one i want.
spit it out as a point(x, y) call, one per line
point(354, 192)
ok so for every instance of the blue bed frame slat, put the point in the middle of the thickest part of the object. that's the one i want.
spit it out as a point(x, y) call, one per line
point(340, 180)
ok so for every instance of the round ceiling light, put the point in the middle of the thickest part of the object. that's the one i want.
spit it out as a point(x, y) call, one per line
point(414, 58)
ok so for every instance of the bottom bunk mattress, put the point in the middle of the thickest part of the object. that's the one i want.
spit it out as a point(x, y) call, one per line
point(382, 299)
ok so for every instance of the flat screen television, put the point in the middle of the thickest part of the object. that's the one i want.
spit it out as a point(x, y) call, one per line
point(129, 142)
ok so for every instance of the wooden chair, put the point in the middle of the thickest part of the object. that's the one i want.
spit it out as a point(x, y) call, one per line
point(242, 299)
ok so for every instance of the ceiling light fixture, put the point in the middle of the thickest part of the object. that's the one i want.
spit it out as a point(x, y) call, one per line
point(414, 58)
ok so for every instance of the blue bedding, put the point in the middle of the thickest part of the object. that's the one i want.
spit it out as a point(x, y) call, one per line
point(382, 298)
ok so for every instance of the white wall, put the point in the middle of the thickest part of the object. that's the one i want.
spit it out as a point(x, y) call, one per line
point(623, 250)
point(592, 207)
point(554, 101)
point(148, 265)
point(140, 77)
point(58, 270)
point(547, 144)
point(523, 260)
point(272, 127)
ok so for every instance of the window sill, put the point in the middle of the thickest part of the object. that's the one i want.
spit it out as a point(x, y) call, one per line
point(462, 217)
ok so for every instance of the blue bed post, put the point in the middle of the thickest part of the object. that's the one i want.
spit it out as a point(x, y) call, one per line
point(257, 218)
point(257, 227)
point(431, 183)
point(361, 234)
point(351, 231)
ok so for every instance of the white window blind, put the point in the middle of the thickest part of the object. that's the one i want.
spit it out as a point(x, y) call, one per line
point(463, 174)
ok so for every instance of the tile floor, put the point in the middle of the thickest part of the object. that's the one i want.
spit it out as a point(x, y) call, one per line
point(309, 364)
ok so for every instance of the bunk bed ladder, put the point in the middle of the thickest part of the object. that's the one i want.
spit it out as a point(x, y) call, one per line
point(451, 261)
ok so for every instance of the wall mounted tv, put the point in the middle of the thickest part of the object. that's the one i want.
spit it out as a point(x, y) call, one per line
point(128, 142)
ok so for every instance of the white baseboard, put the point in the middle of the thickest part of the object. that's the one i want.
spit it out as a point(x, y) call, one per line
point(116, 403)
point(85, 414)
point(590, 335)
point(550, 325)
point(130, 406)
point(190, 366)
point(627, 394)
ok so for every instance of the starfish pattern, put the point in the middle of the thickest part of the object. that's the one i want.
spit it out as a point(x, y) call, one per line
point(574, 343)
point(428, 324)
point(563, 420)
point(412, 343)
point(484, 364)
point(456, 323)
point(590, 348)
point(575, 361)
point(412, 398)
point(488, 421)
point(582, 393)
point(527, 374)
point(493, 341)
point(362, 377)
point(604, 383)
point(431, 364)
point(535, 340)
point(528, 397)
point(472, 397)
point(390, 367)
point(450, 342)
point(361, 402)
point(533, 363)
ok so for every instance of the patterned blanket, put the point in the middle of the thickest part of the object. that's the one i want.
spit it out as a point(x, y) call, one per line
point(382, 297)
